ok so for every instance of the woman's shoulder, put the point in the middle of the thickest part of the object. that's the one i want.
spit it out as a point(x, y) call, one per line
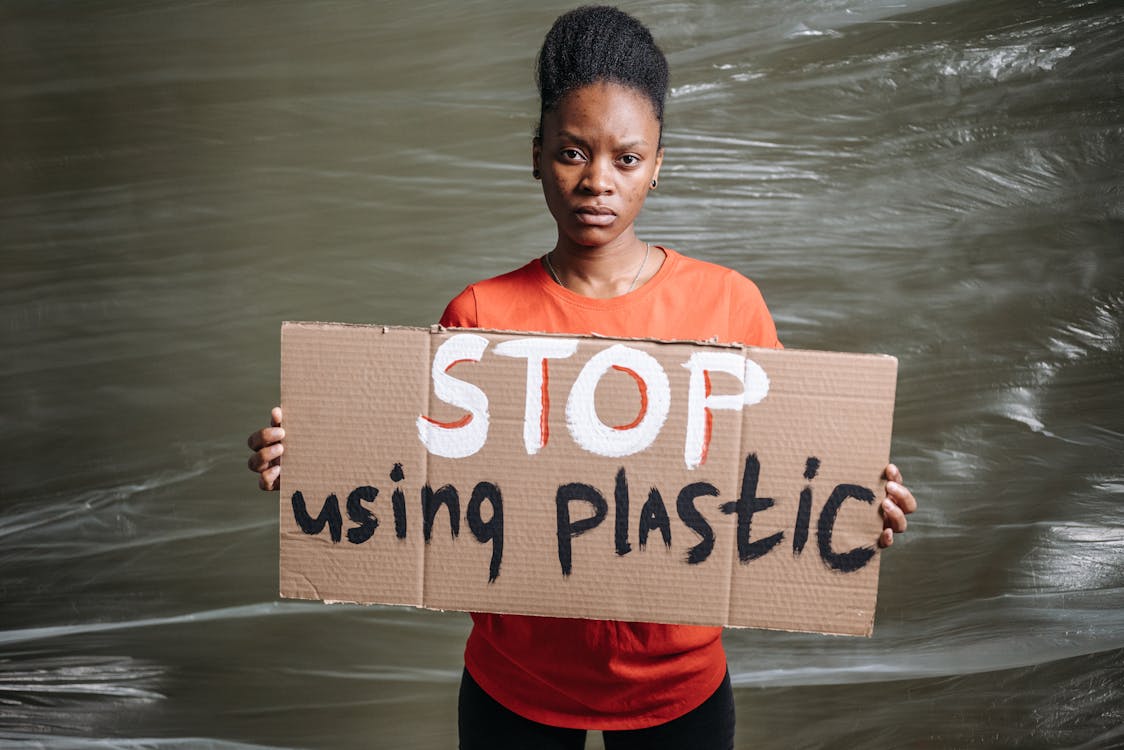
point(463, 310)
point(731, 295)
point(513, 280)
point(695, 271)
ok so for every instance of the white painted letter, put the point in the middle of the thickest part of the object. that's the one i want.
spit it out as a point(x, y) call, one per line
point(701, 402)
point(536, 412)
point(586, 427)
point(466, 435)
point(756, 383)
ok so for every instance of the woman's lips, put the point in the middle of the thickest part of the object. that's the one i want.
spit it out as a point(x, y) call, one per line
point(597, 216)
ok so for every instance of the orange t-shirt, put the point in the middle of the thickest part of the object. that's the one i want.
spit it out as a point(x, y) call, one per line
point(600, 674)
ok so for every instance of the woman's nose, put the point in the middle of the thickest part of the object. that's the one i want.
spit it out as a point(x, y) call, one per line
point(598, 177)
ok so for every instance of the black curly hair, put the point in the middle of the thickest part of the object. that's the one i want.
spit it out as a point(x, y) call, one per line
point(596, 44)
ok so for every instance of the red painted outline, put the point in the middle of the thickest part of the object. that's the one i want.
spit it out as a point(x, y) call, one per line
point(463, 420)
point(643, 398)
point(457, 362)
point(709, 419)
point(450, 425)
point(544, 418)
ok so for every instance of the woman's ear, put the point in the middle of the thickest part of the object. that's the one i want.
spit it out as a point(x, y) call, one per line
point(536, 157)
point(659, 162)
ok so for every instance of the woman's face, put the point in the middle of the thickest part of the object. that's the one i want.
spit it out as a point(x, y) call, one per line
point(598, 155)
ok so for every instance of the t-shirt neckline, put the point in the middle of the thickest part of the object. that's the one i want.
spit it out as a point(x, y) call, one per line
point(552, 287)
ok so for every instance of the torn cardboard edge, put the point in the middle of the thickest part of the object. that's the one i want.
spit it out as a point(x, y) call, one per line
point(583, 476)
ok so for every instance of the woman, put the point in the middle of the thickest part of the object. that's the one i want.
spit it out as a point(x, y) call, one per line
point(542, 682)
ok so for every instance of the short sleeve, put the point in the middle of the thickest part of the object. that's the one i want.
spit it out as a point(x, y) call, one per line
point(752, 317)
point(461, 311)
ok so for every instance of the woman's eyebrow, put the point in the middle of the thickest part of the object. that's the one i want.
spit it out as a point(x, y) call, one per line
point(566, 135)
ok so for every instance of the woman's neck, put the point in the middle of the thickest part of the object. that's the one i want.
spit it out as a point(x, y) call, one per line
point(604, 272)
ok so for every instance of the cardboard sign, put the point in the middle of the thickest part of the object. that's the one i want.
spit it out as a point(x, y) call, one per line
point(583, 476)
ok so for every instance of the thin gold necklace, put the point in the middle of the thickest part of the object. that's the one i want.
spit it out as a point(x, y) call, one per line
point(554, 274)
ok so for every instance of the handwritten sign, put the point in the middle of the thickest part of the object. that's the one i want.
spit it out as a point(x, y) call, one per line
point(583, 476)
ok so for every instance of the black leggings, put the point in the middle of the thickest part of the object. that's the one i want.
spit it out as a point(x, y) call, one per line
point(486, 725)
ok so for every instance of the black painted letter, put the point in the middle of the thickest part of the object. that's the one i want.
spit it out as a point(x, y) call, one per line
point(432, 500)
point(360, 515)
point(620, 508)
point(804, 512)
point(844, 562)
point(329, 514)
point(568, 529)
point(685, 505)
point(747, 504)
point(491, 530)
point(654, 516)
point(398, 499)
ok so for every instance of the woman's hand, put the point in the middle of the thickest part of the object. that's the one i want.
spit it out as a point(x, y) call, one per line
point(899, 503)
point(267, 448)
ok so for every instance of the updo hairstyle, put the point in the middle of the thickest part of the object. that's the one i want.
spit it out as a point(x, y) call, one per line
point(598, 44)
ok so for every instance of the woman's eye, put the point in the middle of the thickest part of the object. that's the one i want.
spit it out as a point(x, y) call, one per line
point(571, 154)
point(630, 160)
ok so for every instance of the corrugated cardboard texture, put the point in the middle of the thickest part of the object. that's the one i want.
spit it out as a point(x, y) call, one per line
point(777, 528)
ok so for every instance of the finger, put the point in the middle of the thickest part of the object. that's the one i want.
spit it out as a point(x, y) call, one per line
point(886, 538)
point(268, 480)
point(261, 460)
point(901, 496)
point(264, 437)
point(893, 473)
point(892, 516)
point(275, 416)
